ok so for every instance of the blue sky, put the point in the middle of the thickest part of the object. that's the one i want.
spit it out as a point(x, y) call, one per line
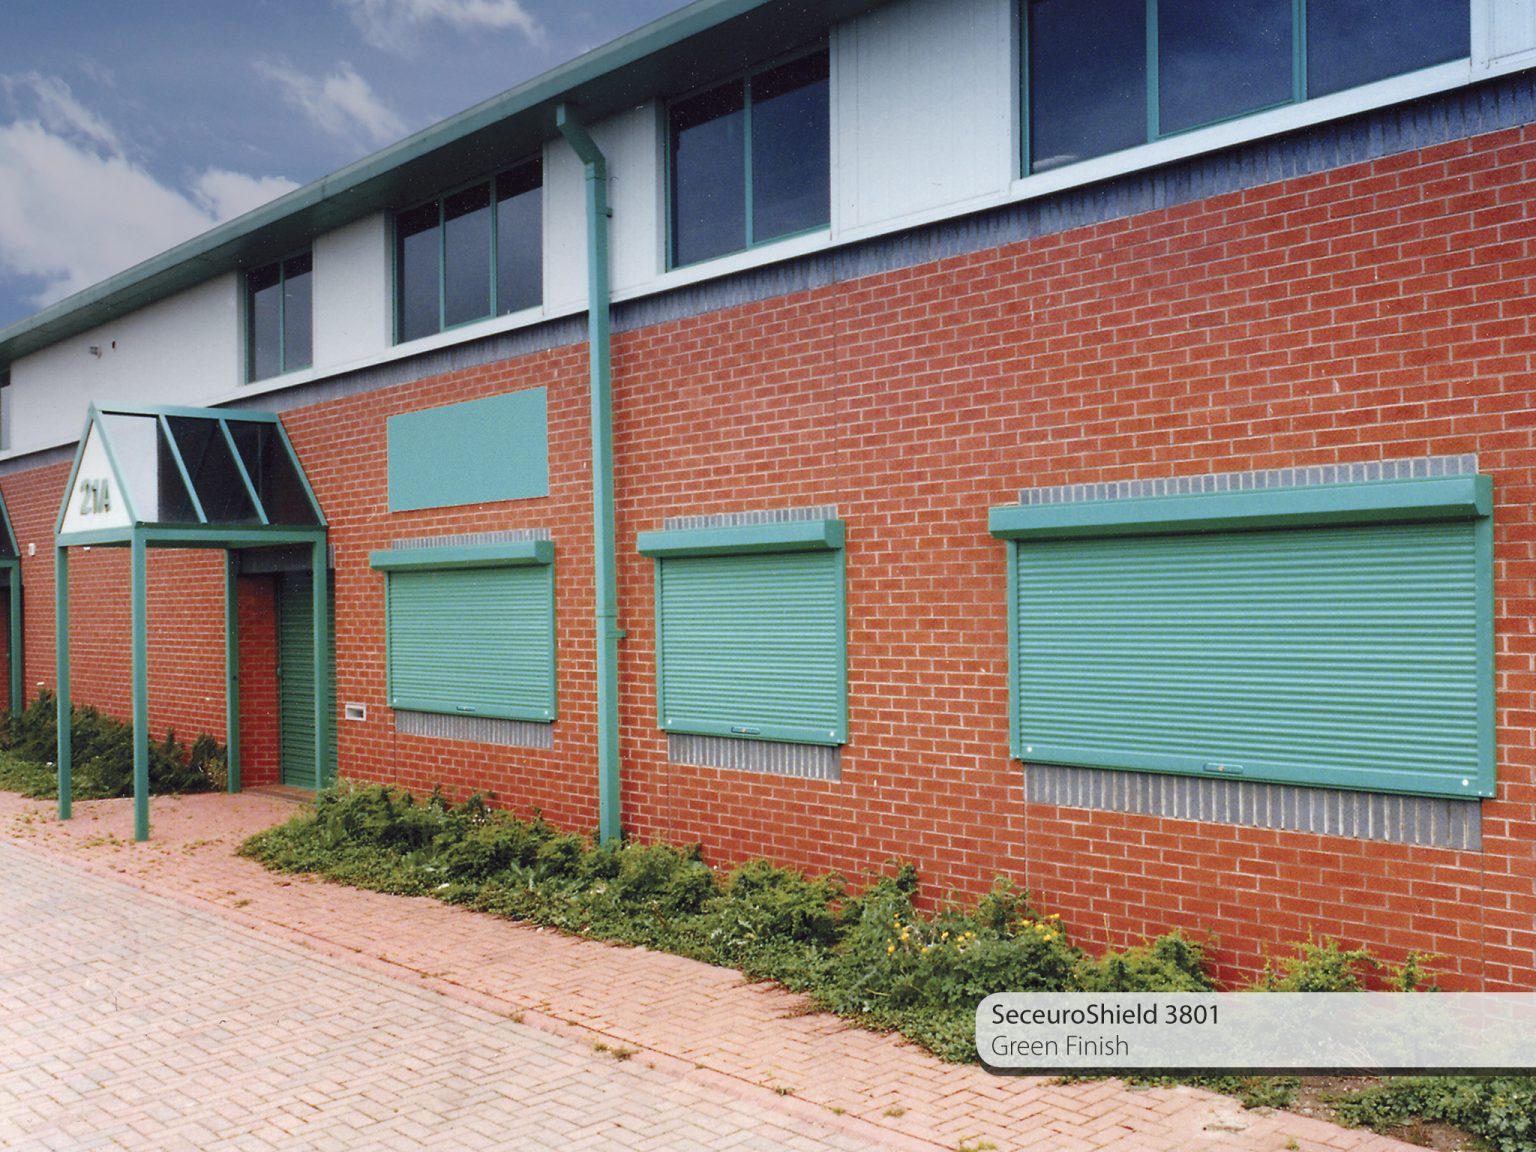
point(126, 128)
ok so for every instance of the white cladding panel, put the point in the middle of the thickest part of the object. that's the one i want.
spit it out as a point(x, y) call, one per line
point(352, 292)
point(185, 349)
point(97, 500)
point(631, 144)
point(1503, 34)
point(923, 113)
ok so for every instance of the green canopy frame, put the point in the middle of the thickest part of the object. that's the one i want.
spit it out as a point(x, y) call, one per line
point(164, 477)
point(10, 575)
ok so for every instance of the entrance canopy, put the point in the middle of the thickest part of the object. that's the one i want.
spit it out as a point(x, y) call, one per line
point(185, 478)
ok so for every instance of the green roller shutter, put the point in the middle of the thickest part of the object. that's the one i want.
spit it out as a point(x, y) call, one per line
point(296, 681)
point(1352, 656)
point(753, 645)
point(473, 641)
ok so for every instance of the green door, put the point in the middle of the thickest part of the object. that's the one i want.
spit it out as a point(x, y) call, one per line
point(296, 681)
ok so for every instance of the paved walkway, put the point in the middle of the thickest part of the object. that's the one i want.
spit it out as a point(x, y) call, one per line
point(363, 1002)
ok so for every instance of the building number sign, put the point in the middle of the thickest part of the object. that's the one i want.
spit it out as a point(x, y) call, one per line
point(95, 496)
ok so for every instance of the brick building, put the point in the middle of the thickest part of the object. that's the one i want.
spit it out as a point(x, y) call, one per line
point(1032, 454)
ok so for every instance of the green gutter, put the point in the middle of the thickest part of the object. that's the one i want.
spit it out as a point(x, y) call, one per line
point(604, 541)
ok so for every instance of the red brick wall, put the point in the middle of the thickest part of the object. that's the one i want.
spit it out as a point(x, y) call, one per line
point(1379, 311)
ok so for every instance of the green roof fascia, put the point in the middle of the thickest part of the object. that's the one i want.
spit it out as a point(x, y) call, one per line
point(787, 536)
point(512, 553)
point(704, 41)
point(1373, 502)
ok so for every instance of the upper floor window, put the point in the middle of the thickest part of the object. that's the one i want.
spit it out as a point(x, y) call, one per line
point(471, 254)
point(1110, 74)
point(280, 317)
point(749, 161)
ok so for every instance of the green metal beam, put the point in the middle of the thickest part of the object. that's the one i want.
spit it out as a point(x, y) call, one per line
point(320, 588)
point(140, 580)
point(18, 685)
point(604, 533)
point(61, 694)
point(232, 670)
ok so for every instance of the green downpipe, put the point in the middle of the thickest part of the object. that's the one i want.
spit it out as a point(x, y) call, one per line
point(600, 354)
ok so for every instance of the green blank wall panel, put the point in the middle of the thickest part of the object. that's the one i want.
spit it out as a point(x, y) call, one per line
point(1354, 656)
point(473, 641)
point(753, 646)
point(471, 453)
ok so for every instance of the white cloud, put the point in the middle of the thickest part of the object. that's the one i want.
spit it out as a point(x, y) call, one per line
point(340, 103)
point(395, 25)
point(74, 208)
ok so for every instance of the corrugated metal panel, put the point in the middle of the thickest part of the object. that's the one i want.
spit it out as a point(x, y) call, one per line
point(772, 757)
point(479, 729)
point(296, 681)
point(752, 645)
point(1434, 821)
point(476, 641)
point(1344, 656)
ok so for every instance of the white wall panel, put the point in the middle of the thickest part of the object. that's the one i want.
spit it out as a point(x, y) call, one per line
point(185, 349)
point(352, 292)
point(1503, 34)
point(923, 110)
point(631, 145)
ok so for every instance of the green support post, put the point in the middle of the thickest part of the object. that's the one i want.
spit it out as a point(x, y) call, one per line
point(321, 637)
point(18, 687)
point(140, 625)
point(232, 669)
point(605, 574)
point(61, 657)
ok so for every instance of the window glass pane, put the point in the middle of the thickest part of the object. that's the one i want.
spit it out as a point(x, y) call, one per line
point(143, 458)
point(1218, 59)
point(272, 473)
point(1087, 79)
point(298, 312)
point(1352, 42)
point(212, 468)
point(263, 322)
point(791, 168)
point(467, 255)
point(709, 175)
point(417, 271)
point(519, 239)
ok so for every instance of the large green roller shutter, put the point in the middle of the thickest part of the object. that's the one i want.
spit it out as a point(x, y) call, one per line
point(473, 641)
point(296, 681)
point(1351, 656)
point(753, 645)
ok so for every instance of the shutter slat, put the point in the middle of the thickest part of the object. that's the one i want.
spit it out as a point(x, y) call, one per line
point(1325, 656)
point(753, 645)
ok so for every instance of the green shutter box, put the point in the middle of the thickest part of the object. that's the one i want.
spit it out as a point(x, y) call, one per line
point(1353, 655)
point(752, 643)
point(470, 640)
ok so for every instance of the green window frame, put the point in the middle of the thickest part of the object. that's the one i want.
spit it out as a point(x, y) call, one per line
point(751, 631)
point(1301, 49)
point(470, 631)
point(744, 92)
point(513, 265)
point(279, 317)
point(1338, 636)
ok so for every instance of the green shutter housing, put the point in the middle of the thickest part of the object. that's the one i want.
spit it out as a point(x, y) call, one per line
point(751, 639)
point(1211, 636)
point(471, 631)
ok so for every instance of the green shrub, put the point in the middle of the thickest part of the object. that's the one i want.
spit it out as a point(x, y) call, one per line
point(1171, 963)
point(1500, 1110)
point(101, 755)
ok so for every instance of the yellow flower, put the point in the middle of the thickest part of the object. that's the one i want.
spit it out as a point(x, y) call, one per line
point(889, 948)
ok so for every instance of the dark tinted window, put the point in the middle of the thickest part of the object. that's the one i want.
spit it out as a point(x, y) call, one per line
point(1087, 79)
point(519, 239)
point(211, 465)
point(709, 174)
point(1217, 59)
point(264, 321)
point(298, 313)
point(467, 255)
point(418, 271)
point(790, 149)
point(1352, 42)
point(276, 480)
